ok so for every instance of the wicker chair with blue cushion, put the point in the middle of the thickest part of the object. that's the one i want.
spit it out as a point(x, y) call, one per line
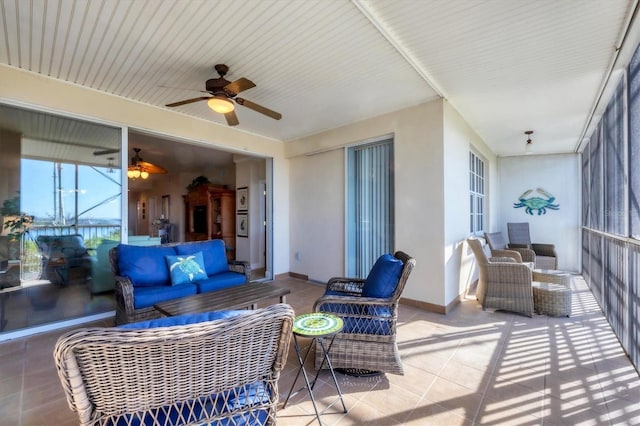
point(369, 308)
point(217, 368)
point(519, 236)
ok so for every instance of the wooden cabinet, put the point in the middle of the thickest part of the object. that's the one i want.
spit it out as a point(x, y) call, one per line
point(210, 214)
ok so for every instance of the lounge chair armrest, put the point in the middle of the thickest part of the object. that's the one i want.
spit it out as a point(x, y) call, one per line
point(241, 267)
point(349, 286)
point(545, 250)
point(124, 294)
point(507, 253)
point(502, 259)
point(514, 246)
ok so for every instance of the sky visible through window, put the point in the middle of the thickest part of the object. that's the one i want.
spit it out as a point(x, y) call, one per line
point(47, 191)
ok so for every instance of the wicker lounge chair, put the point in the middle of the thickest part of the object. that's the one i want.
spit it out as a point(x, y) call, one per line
point(500, 248)
point(368, 341)
point(222, 371)
point(502, 283)
point(546, 256)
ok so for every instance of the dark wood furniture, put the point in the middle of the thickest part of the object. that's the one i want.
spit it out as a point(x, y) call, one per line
point(238, 297)
point(210, 214)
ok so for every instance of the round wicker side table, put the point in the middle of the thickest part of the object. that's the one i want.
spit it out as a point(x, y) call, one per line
point(551, 299)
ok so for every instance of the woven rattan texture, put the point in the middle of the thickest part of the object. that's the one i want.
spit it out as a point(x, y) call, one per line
point(125, 310)
point(502, 285)
point(374, 348)
point(201, 373)
point(552, 299)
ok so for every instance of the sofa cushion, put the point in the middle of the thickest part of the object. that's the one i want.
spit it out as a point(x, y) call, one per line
point(220, 281)
point(213, 254)
point(143, 297)
point(383, 277)
point(186, 268)
point(144, 266)
point(186, 319)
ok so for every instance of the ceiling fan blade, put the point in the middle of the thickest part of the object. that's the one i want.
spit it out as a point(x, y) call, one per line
point(188, 101)
point(106, 151)
point(259, 108)
point(238, 86)
point(151, 168)
point(232, 118)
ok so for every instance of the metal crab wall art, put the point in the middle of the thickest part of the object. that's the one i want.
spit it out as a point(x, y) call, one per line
point(536, 203)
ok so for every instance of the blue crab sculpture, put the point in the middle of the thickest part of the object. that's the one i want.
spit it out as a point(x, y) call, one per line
point(536, 203)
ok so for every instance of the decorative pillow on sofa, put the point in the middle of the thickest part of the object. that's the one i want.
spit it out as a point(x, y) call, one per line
point(213, 254)
point(186, 268)
point(383, 277)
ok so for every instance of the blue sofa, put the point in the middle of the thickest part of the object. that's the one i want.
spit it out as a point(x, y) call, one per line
point(149, 275)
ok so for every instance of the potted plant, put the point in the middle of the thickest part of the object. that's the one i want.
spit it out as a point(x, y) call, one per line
point(14, 222)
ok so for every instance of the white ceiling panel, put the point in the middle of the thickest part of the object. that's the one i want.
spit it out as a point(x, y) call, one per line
point(507, 66)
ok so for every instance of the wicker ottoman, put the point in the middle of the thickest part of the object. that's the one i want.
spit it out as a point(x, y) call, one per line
point(552, 276)
point(551, 299)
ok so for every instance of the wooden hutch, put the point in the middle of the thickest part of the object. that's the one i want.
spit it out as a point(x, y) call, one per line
point(210, 214)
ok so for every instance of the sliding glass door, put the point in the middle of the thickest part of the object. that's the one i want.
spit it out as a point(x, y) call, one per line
point(370, 205)
point(60, 203)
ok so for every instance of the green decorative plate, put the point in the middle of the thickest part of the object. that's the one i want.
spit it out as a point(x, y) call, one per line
point(317, 324)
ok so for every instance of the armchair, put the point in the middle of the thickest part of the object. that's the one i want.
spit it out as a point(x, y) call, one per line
point(502, 283)
point(499, 248)
point(369, 309)
point(60, 253)
point(212, 368)
point(546, 256)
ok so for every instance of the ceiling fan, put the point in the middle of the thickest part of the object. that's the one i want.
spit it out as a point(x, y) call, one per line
point(223, 93)
point(142, 169)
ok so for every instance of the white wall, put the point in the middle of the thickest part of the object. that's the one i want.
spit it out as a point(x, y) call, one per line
point(459, 139)
point(558, 175)
point(317, 209)
point(419, 183)
point(249, 173)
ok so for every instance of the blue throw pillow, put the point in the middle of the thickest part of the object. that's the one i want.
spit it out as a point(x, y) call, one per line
point(213, 253)
point(186, 269)
point(383, 277)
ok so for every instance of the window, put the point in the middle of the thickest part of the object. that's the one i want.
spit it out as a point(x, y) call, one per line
point(476, 194)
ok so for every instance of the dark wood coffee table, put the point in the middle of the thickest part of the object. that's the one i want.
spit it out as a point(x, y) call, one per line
point(238, 297)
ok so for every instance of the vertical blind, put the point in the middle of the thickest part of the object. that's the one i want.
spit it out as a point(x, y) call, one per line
point(370, 192)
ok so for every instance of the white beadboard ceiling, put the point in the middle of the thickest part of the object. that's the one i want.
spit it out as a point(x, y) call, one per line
point(506, 65)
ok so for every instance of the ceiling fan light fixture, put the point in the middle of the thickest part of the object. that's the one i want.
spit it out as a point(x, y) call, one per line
point(133, 173)
point(529, 142)
point(220, 104)
point(144, 174)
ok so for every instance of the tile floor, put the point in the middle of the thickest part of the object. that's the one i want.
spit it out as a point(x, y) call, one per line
point(468, 367)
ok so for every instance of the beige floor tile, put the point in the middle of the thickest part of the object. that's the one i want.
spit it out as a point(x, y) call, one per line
point(467, 367)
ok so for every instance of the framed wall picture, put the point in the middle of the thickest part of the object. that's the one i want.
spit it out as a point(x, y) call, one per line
point(242, 198)
point(242, 225)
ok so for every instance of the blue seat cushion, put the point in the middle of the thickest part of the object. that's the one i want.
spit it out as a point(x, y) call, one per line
point(213, 254)
point(383, 277)
point(186, 268)
point(145, 266)
point(195, 410)
point(237, 398)
point(185, 319)
point(143, 297)
point(220, 281)
point(377, 319)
